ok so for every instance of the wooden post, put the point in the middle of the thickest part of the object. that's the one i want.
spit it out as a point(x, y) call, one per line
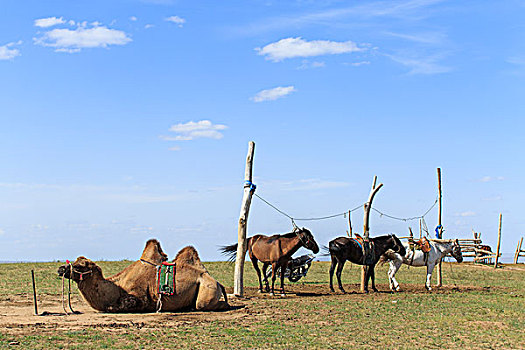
point(34, 292)
point(440, 231)
point(366, 227)
point(499, 242)
point(420, 228)
point(349, 232)
point(249, 188)
point(518, 250)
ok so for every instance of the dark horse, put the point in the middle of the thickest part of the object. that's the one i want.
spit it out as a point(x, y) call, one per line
point(276, 250)
point(344, 248)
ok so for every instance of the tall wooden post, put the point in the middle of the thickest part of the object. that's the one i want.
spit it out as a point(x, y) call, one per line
point(349, 232)
point(249, 188)
point(518, 250)
point(499, 242)
point(366, 226)
point(34, 292)
point(440, 230)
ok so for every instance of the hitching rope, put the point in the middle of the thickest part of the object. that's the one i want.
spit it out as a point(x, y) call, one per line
point(343, 213)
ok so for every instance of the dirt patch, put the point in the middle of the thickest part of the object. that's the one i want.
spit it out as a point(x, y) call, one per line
point(17, 312)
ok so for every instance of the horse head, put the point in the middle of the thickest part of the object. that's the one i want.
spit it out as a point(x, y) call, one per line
point(307, 239)
point(398, 246)
point(456, 251)
point(79, 270)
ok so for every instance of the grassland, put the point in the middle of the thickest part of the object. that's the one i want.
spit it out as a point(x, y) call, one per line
point(478, 307)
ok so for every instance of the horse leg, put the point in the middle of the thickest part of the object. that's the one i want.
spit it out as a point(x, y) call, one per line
point(264, 269)
point(332, 268)
point(373, 277)
point(283, 269)
point(394, 267)
point(274, 275)
point(367, 277)
point(340, 265)
point(256, 267)
point(428, 283)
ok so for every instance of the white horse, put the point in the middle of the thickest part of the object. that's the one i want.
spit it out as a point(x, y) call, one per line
point(438, 250)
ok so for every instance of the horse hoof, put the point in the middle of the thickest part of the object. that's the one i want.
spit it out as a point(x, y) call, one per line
point(283, 294)
point(260, 291)
point(398, 289)
point(365, 291)
point(271, 294)
point(332, 290)
point(375, 290)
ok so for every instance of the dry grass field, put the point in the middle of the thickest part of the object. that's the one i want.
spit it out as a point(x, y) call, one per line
point(478, 308)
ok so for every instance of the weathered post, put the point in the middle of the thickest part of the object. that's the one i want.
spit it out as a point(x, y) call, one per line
point(499, 242)
point(249, 188)
point(349, 233)
point(34, 292)
point(366, 228)
point(440, 230)
point(518, 251)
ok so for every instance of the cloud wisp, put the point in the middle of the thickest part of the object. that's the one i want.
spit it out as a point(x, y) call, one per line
point(298, 47)
point(195, 130)
point(491, 178)
point(7, 52)
point(273, 94)
point(49, 22)
point(93, 35)
point(179, 21)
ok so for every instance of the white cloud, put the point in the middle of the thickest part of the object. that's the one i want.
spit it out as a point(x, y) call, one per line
point(2, 232)
point(466, 214)
point(298, 47)
point(422, 65)
point(148, 26)
point(493, 198)
point(273, 94)
point(133, 18)
point(175, 148)
point(48, 22)
point(195, 130)
point(67, 40)
point(357, 64)
point(305, 64)
point(491, 178)
point(177, 20)
point(7, 52)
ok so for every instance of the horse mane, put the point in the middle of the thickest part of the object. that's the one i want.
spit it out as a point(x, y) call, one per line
point(285, 235)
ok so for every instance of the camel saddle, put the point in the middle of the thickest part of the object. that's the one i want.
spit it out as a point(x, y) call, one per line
point(422, 244)
point(166, 279)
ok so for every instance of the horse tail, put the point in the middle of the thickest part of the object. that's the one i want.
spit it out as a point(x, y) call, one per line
point(326, 251)
point(230, 251)
point(388, 256)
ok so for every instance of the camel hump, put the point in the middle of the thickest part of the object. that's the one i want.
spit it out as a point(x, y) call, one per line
point(189, 256)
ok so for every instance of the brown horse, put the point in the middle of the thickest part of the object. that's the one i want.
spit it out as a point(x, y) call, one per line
point(275, 250)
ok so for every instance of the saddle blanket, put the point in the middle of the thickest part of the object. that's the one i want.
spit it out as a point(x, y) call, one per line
point(166, 279)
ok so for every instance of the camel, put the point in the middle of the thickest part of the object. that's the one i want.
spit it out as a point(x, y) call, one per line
point(134, 289)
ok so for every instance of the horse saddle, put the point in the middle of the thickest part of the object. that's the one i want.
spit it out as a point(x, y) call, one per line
point(422, 244)
point(166, 279)
point(368, 249)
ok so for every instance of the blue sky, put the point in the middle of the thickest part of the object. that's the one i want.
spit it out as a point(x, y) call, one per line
point(127, 120)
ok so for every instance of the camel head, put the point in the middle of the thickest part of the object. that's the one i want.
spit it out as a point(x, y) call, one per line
point(153, 252)
point(80, 270)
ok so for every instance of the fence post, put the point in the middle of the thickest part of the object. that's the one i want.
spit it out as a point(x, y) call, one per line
point(440, 231)
point(366, 227)
point(249, 188)
point(499, 242)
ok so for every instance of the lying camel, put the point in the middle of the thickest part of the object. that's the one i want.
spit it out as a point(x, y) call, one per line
point(134, 289)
